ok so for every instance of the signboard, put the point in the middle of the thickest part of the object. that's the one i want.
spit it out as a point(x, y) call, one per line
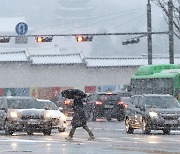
point(21, 40)
point(21, 28)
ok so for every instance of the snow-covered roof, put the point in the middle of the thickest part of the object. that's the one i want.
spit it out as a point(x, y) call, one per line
point(57, 59)
point(120, 62)
point(77, 58)
point(13, 56)
point(43, 51)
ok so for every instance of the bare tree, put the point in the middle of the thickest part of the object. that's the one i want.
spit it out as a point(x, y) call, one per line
point(176, 15)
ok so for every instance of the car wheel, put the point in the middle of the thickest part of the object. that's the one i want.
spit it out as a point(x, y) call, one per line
point(166, 131)
point(92, 116)
point(129, 129)
point(29, 132)
point(47, 132)
point(145, 127)
point(107, 114)
point(61, 129)
point(108, 118)
point(8, 131)
point(120, 117)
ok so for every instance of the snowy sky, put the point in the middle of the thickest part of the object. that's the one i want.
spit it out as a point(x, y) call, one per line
point(111, 15)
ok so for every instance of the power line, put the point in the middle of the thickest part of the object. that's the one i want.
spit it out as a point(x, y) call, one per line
point(93, 34)
point(112, 16)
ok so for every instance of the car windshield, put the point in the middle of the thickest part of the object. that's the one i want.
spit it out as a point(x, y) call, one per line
point(161, 102)
point(22, 104)
point(47, 105)
point(108, 97)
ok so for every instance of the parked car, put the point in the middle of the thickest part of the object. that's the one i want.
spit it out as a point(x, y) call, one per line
point(23, 114)
point(153, 112)
point(65, 104)
point(58, 118)
point(106, 104)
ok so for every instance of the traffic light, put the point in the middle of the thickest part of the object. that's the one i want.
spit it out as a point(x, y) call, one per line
point(132, 41)
point(4, 39)
point(40, 39)
point(84, 38)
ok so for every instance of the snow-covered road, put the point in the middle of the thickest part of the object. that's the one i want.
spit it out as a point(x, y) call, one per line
point(111, 138)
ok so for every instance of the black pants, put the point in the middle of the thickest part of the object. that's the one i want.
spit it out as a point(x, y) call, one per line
point(73, 129)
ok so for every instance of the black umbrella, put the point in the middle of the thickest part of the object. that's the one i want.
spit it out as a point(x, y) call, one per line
point(71, 93)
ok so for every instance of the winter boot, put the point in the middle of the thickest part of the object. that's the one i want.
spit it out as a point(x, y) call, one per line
point(91, 138)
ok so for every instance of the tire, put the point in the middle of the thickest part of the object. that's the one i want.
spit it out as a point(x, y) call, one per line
point(120, 117)
point(166, 131)
point(61, 129)
point(108, 118)
point(8, 131)
point(145, 127)
point(29, 132)
point(108, 115)
point(129, 129)
point(92, 117)
point(47, 132)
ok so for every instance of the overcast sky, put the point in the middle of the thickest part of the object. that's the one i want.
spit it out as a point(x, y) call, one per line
point(109, 15)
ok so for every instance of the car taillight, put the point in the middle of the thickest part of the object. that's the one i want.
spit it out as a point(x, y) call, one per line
point(177, 96)
point(120, 103)
point(67, 102)
point(126, 106)
point(98, 103)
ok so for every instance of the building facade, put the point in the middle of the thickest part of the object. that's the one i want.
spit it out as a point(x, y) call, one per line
point(45, 76)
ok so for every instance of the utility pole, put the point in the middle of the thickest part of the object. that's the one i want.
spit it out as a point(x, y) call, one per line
point(179, 21)
point(149, 35)
point(171, 33)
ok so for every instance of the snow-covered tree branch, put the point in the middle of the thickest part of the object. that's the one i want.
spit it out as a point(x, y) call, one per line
point(176, 15)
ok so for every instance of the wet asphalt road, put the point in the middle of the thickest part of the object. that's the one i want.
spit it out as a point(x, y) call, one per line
point(111, 138)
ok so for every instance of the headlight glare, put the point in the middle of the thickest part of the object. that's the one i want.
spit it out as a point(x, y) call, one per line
point(14, 114)
point(47, 115)
point(153, 114)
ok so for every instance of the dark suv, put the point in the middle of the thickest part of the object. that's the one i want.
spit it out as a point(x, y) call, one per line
point(108, 105)
point(23, 114)
point(152, 112)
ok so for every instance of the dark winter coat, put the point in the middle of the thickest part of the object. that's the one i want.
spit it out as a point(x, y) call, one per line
point(79, 117)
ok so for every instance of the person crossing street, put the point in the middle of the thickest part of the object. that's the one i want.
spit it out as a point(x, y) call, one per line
point(79, 119)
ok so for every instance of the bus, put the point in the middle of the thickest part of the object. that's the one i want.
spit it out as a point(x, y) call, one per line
point(156, 79)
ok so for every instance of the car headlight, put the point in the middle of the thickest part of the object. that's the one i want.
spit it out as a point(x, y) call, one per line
point(47, 115)
point(14, 114)
point(153, 114)
point(63, 117)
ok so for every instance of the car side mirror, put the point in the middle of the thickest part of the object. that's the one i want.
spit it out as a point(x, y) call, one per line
point(142, 108)
point(46, 108)
point(60, 109)
point(128, 88)
point(3, 109)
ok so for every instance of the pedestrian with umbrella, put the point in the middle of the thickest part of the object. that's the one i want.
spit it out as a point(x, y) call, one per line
point(79, 117)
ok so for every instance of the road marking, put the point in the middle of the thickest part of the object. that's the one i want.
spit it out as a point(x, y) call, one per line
point(23, 140)
point(109, 129)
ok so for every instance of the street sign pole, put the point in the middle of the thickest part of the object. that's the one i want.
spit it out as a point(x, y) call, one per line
point(171, 33)
point(21, 29)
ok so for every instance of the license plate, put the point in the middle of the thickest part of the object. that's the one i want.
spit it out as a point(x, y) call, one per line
point(33, 122)
point(108, 106)
point(171, 122)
